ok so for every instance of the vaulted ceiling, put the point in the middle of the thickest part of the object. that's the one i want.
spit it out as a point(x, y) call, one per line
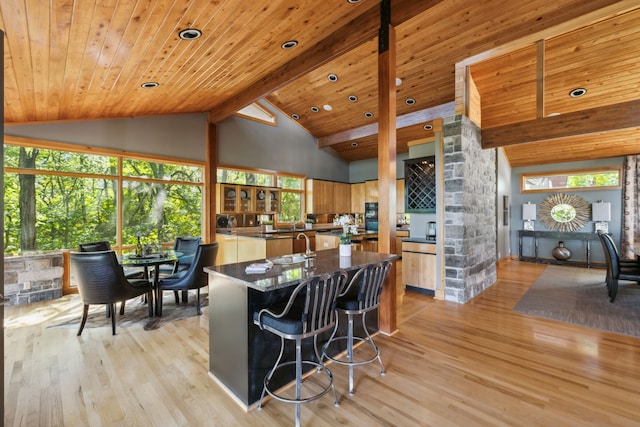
point(85, 60)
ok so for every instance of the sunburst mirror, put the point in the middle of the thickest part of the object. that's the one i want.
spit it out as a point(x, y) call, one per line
point(564, 212)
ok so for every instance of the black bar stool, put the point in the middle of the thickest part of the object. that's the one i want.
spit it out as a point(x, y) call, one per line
point(360, 297)
point(309, 311)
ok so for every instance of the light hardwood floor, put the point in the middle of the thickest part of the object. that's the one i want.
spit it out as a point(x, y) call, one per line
point(478, 364)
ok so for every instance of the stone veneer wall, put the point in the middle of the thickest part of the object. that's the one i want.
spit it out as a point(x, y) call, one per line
point(469, 211)
point(29, 278)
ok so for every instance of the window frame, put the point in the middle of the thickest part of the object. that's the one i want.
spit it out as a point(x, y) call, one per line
point(118, 176)
point(567, 172)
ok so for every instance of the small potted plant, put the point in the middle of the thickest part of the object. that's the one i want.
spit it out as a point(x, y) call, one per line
point(268, 225)
point(308, 223)
point(345, 244)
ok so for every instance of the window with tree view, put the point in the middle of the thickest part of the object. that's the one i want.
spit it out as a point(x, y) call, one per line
point(56, 198)
point(575, 180)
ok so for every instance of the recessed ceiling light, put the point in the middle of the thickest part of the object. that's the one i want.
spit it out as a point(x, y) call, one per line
point(368, 114)
point(327, 107)
point(190, 34)
point(295, 116)
point(353, 1)
point(427, 127)
point(149, 85)
point(409, 101)
point(290, 44)
point(354, 144)
point(398, 81)
point(577, 92)
point(315, 109)
point(353, 98)
point(553, 114)
point(332, 77)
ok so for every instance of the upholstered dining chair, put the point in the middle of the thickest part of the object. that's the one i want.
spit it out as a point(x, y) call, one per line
point(187, 246)
point(309, 311)
point(617, 269)
point(192, 278)
point(104, 245)
point(361, 296)
point(100, 280)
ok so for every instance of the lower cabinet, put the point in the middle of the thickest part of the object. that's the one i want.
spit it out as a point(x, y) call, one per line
point(419, 265)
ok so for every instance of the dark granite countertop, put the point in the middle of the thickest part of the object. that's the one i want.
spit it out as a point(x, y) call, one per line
point(285, 275)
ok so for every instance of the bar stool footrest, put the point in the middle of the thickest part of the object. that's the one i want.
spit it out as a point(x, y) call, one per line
point(318, 395)
point(336, 358)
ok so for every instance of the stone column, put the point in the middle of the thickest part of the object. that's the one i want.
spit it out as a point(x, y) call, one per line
point(469, 211)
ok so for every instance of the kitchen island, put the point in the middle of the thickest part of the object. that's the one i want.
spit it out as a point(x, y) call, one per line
point(240, 354)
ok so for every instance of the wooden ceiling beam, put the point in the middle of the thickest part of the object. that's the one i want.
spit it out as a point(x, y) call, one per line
point(350, 36)
point(406, 120)
point(595, 120)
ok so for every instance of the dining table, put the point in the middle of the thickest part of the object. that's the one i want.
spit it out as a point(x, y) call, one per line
point(152, 260)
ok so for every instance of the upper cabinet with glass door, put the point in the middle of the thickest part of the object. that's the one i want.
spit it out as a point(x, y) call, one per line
point(246, 203)
point(267, 200)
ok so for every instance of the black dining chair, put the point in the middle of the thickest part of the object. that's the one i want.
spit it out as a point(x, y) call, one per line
point(309, 311)
point(187, 246)
point(192, 278)
point(101, 280)
point(361, 296)
point(617, 269)
point(104, 245)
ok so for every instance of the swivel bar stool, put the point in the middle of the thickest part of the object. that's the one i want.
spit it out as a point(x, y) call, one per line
point(360, 297)
point(309, 312)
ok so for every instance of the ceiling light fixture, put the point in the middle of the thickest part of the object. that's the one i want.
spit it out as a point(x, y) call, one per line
point(327, 107)
point(409, 101)
point(398, 81)
point(290, 44)
point(427, 127)
point(353, 1)
point(353, 98)
point(315, 109)
point(295, 116)
point(332, 77)
point(149, 85)
point(368, 114)
point(354, 144)
point(190, 34)
point(578, 92)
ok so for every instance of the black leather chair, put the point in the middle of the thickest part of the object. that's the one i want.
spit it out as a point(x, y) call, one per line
point(360, 297)
point(192, 278)
point(617, 269)
point(309, 312)
point(187, 246)
point(100, 280)
point(106, 246)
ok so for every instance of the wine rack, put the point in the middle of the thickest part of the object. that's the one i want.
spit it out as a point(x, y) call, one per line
point(420, 185)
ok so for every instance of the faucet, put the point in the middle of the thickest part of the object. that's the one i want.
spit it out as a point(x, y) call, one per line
point(308, 253)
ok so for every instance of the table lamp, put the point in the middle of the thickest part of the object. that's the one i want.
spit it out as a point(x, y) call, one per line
point(529, 215)
point(601, 215)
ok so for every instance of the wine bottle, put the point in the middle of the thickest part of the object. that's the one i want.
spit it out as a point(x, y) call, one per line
point(139, 247)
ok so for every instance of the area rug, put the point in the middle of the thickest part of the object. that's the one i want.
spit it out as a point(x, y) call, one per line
point(135, 313)
point(579, 296)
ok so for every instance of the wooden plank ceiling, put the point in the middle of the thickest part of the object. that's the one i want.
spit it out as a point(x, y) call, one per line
point(86, 60)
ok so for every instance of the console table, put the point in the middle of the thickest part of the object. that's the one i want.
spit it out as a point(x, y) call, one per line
point(557, 236)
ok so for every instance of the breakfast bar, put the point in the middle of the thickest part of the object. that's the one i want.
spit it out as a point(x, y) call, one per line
point(240, 354)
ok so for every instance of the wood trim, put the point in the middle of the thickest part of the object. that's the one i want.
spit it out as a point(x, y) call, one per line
point(387, 173)
point(540, 79)
point(582, 171)
point(66, 274)
point(210, 179)
point(406, 120)
point(594, 120)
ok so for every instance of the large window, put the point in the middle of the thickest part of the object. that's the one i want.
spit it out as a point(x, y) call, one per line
point(574, 180)
point(57, 196)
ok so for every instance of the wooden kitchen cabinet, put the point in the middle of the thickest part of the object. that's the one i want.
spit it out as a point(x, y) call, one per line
point(419, 265)
point(371, 191)
point(341, 197)
point(357, 198)
point(267, 200)
point(400, 234)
